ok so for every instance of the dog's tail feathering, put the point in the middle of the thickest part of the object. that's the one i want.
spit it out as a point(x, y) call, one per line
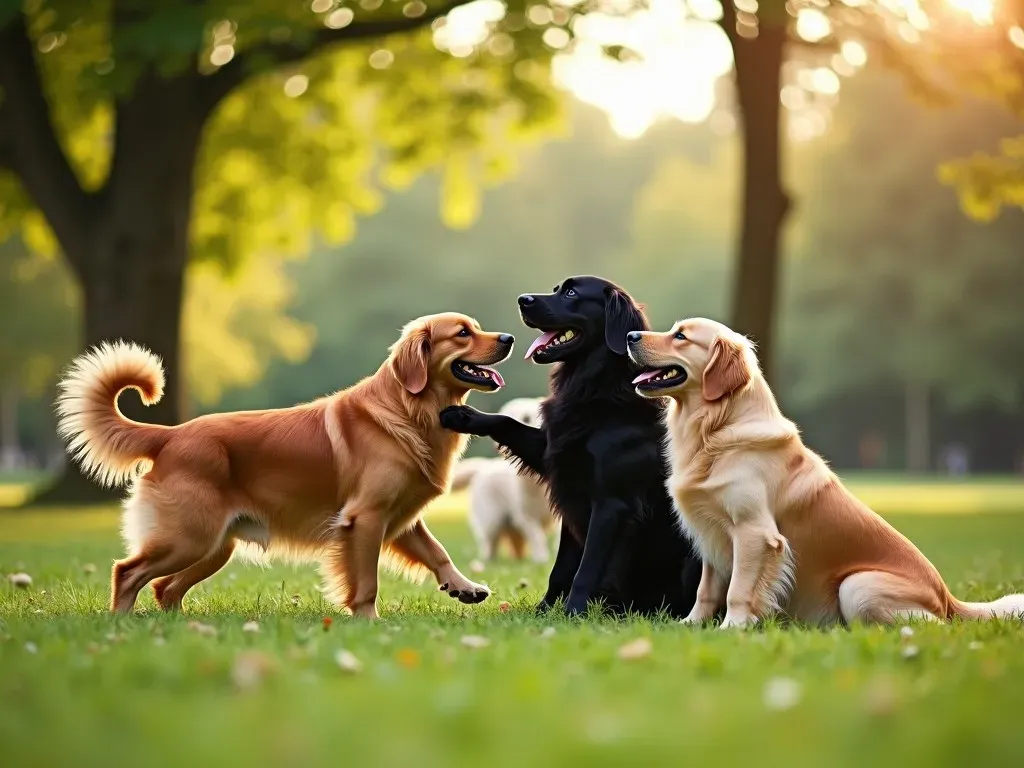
point(1006, 607)
point(465, 471)
point(109, 446)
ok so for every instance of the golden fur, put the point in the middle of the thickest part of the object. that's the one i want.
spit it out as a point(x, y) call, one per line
point(341, 480)
point(775, 527)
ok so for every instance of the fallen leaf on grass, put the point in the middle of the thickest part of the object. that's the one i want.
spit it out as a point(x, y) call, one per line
point(327, 622)
point(636, 649)
point(20, 580)
point(881, 697)
point(504, 607)
point(206, 630)
point(347, 662)
point(475, 641)
point(781, 693)
point(250, 668)
point(408, 658)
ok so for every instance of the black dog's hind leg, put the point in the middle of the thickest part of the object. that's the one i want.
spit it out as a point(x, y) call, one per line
point(567, 562)
point(523, 444)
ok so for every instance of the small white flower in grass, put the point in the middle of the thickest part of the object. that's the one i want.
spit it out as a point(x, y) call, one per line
point(636, 649)
point(781, 693)
point(476, 566)
point(910, 652)
point(296, 599)
point(250, 669)
point(347, 661)
point(251, 627)
point(206, 630)
point(548, 632)
point(906, 632)
point(159, 641)
point(88, 568)
point(524, 583)
point(475, 641)
point(976, 645)
point(20, 580)
point(31, 647)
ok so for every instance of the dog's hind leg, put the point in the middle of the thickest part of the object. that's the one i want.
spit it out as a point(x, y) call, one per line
point(176, 536)
point(878, 597)
point(536, 539)
point(170, 590)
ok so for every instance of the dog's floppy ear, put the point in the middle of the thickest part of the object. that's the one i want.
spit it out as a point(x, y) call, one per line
point(410, 358)
point(727, 370)
point(621, 316)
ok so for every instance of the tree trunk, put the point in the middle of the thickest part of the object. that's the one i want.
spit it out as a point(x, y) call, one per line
point(918, 428)
point(132, 269)
point(758, 63)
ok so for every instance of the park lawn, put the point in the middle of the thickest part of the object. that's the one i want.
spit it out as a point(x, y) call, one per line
point(80, 687)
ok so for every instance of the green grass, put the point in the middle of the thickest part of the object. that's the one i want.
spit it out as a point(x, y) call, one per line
point(150, 690)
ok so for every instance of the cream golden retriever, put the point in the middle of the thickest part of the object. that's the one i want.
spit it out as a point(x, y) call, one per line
point(342, 480)
point(503, 504)
point(776, 529)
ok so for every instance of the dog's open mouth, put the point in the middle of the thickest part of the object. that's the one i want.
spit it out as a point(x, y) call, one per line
point(477, 375)
point(549, 341)
point(660, 378)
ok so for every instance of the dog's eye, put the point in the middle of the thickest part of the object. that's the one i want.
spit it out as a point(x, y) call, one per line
point(680, 336)
point(571, 292)
point(463, 332)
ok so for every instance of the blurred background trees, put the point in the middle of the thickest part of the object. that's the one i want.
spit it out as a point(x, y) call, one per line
point(191, 176)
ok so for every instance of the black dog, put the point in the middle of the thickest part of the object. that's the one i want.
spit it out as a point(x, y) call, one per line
point(600, 453)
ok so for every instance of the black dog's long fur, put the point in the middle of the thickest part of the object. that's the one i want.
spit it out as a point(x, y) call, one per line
point(600, 454)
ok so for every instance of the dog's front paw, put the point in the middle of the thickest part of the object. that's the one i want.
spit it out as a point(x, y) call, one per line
point(466, 591)
point(463, 419)
point(737, 620)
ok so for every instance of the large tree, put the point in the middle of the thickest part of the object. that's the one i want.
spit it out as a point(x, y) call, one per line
point(122, 119)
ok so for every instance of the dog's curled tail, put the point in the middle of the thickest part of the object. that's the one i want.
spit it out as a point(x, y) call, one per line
point(110, 447)
point(465, 471)
point(1006, 607)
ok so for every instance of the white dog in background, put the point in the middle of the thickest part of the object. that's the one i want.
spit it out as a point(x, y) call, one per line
point(503, 503)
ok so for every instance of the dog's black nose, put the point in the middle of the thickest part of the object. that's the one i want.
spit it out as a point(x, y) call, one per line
point(633, 337)
point(526, 300)
point(507, 339)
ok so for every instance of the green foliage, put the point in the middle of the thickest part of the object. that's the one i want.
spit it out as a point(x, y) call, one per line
point(897, 288)
point(275, 168)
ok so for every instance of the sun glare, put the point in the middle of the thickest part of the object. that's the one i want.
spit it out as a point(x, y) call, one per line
point(982, 12)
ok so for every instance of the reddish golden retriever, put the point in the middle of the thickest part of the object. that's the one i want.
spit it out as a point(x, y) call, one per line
point(775, 527)
point(340, 480)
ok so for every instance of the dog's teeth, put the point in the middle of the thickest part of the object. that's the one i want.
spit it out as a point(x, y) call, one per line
point(562, 338)
point(568, 335)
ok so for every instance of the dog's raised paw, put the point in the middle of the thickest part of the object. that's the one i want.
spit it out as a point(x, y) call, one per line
point(459, 418)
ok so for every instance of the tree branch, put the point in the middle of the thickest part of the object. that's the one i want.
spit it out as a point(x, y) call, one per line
point(28, 142)
point(228, 77)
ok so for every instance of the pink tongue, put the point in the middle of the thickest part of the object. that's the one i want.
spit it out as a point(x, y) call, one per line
point(647, 376)
point(545, 338)
point(495, 376)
